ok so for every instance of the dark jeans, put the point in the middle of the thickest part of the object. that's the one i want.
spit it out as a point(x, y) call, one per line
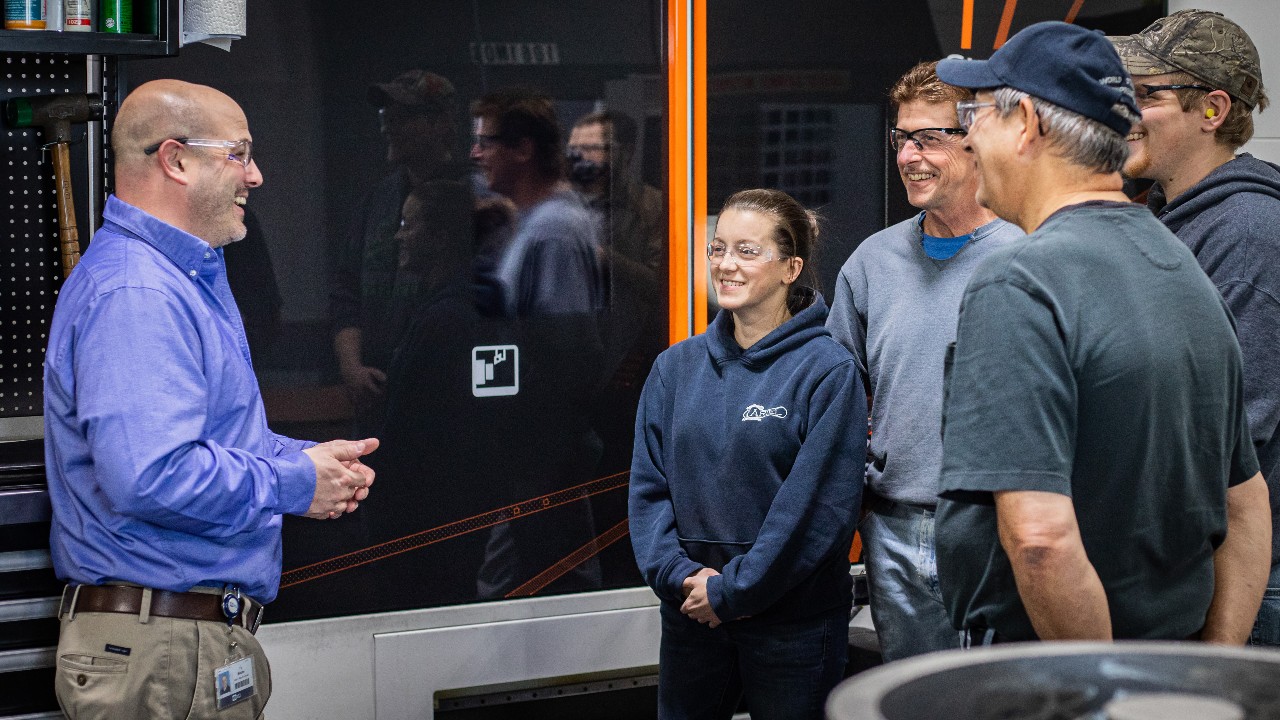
point(1266, 629)
point(786, 669)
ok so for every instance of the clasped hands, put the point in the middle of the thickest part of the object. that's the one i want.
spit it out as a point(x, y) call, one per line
point(342, 481)
point(696, 604)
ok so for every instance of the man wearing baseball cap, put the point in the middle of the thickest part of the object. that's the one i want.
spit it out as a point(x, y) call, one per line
point(1199, 79)
point(370, 296)
point(1098, 479)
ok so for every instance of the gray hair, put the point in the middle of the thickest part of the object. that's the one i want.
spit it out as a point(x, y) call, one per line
point(1080, 140)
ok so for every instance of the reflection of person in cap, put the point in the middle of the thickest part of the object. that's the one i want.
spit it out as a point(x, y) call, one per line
point(1198, 79)
point(370, 296)
point(417, 114)
point(1095, 449)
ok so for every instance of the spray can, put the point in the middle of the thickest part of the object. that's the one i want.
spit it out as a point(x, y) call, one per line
point(77, 15)
point(115, 16)
point(24, 15)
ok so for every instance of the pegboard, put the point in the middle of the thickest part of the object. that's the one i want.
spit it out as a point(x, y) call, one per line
point(30, 270)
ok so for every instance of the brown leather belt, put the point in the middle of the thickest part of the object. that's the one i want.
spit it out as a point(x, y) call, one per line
point(127, 600)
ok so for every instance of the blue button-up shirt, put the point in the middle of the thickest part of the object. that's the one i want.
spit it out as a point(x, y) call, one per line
point(162, 471)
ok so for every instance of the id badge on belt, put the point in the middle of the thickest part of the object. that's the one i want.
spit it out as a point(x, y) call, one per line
point(233, 682)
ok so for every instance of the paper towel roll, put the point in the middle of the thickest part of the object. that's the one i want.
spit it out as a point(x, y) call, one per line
point(216, 22)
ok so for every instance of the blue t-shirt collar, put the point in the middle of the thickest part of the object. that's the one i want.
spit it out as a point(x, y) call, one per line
point(940, 248)
point(946, 248)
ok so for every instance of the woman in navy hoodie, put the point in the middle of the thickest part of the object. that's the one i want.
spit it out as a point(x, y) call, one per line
point(746, 481)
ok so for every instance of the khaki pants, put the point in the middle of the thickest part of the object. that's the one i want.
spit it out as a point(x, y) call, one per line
point(167, 673)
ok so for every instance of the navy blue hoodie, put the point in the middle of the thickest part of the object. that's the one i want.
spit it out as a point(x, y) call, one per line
point(751, 462)
point(1229, 220)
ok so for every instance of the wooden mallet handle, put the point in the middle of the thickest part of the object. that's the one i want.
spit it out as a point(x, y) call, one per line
point(68, 233)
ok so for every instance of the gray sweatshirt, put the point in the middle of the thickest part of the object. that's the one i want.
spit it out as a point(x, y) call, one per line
point(1231, 221)
point(895, 308)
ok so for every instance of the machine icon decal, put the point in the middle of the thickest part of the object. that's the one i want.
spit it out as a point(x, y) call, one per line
point(495, 370)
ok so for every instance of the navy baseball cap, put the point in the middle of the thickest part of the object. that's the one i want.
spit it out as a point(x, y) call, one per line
point(1067, 65)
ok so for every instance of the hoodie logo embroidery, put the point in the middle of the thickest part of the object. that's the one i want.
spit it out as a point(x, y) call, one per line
point(760, 412)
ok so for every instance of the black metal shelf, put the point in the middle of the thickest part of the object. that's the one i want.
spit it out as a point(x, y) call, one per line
point(82, 43)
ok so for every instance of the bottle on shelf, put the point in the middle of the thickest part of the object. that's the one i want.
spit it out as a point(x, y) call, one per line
point(77, 15)
point(24, 15)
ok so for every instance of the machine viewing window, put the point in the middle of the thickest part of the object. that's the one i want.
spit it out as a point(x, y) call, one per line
point(404, 278)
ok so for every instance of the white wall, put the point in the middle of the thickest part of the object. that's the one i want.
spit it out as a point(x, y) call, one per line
point(1255, 16)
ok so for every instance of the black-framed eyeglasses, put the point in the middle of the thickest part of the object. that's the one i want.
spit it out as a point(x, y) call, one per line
point(1149, 90)
point(925, 139)
point(240, 151)
point(967, 112)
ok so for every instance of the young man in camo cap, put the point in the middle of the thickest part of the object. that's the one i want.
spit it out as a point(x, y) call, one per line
point(1198, 80)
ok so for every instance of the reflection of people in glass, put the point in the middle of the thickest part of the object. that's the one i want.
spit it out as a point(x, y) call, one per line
point(746, 480)
point(549, 276)
point(601, 147)
point(552, 264)
point(370, 298)
point(439, 441)
point(631, 227)
point(252, 278)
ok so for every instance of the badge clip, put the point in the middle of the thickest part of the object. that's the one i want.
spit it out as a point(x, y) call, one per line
point(232, 604)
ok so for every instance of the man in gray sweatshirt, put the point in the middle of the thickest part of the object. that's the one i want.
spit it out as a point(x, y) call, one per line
point(895, 308)
point(1198, 79)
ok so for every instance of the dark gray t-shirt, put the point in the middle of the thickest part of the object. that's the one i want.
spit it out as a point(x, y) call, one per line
point(1094, 359)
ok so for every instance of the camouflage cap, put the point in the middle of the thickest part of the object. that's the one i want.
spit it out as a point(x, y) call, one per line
point(415, 89)
point(1204, 44)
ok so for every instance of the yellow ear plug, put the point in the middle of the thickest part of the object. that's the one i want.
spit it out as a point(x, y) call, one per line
point(1210, 113)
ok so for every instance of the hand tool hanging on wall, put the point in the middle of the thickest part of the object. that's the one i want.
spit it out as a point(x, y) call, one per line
point(54, 115)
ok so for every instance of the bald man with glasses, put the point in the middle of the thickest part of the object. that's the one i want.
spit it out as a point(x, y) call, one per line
point(895, 308)
point(166, 484)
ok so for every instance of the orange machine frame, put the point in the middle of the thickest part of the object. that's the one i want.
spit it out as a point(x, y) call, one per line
point(687, 166)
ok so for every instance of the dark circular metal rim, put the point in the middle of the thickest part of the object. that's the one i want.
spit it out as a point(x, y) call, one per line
point(867, 689)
